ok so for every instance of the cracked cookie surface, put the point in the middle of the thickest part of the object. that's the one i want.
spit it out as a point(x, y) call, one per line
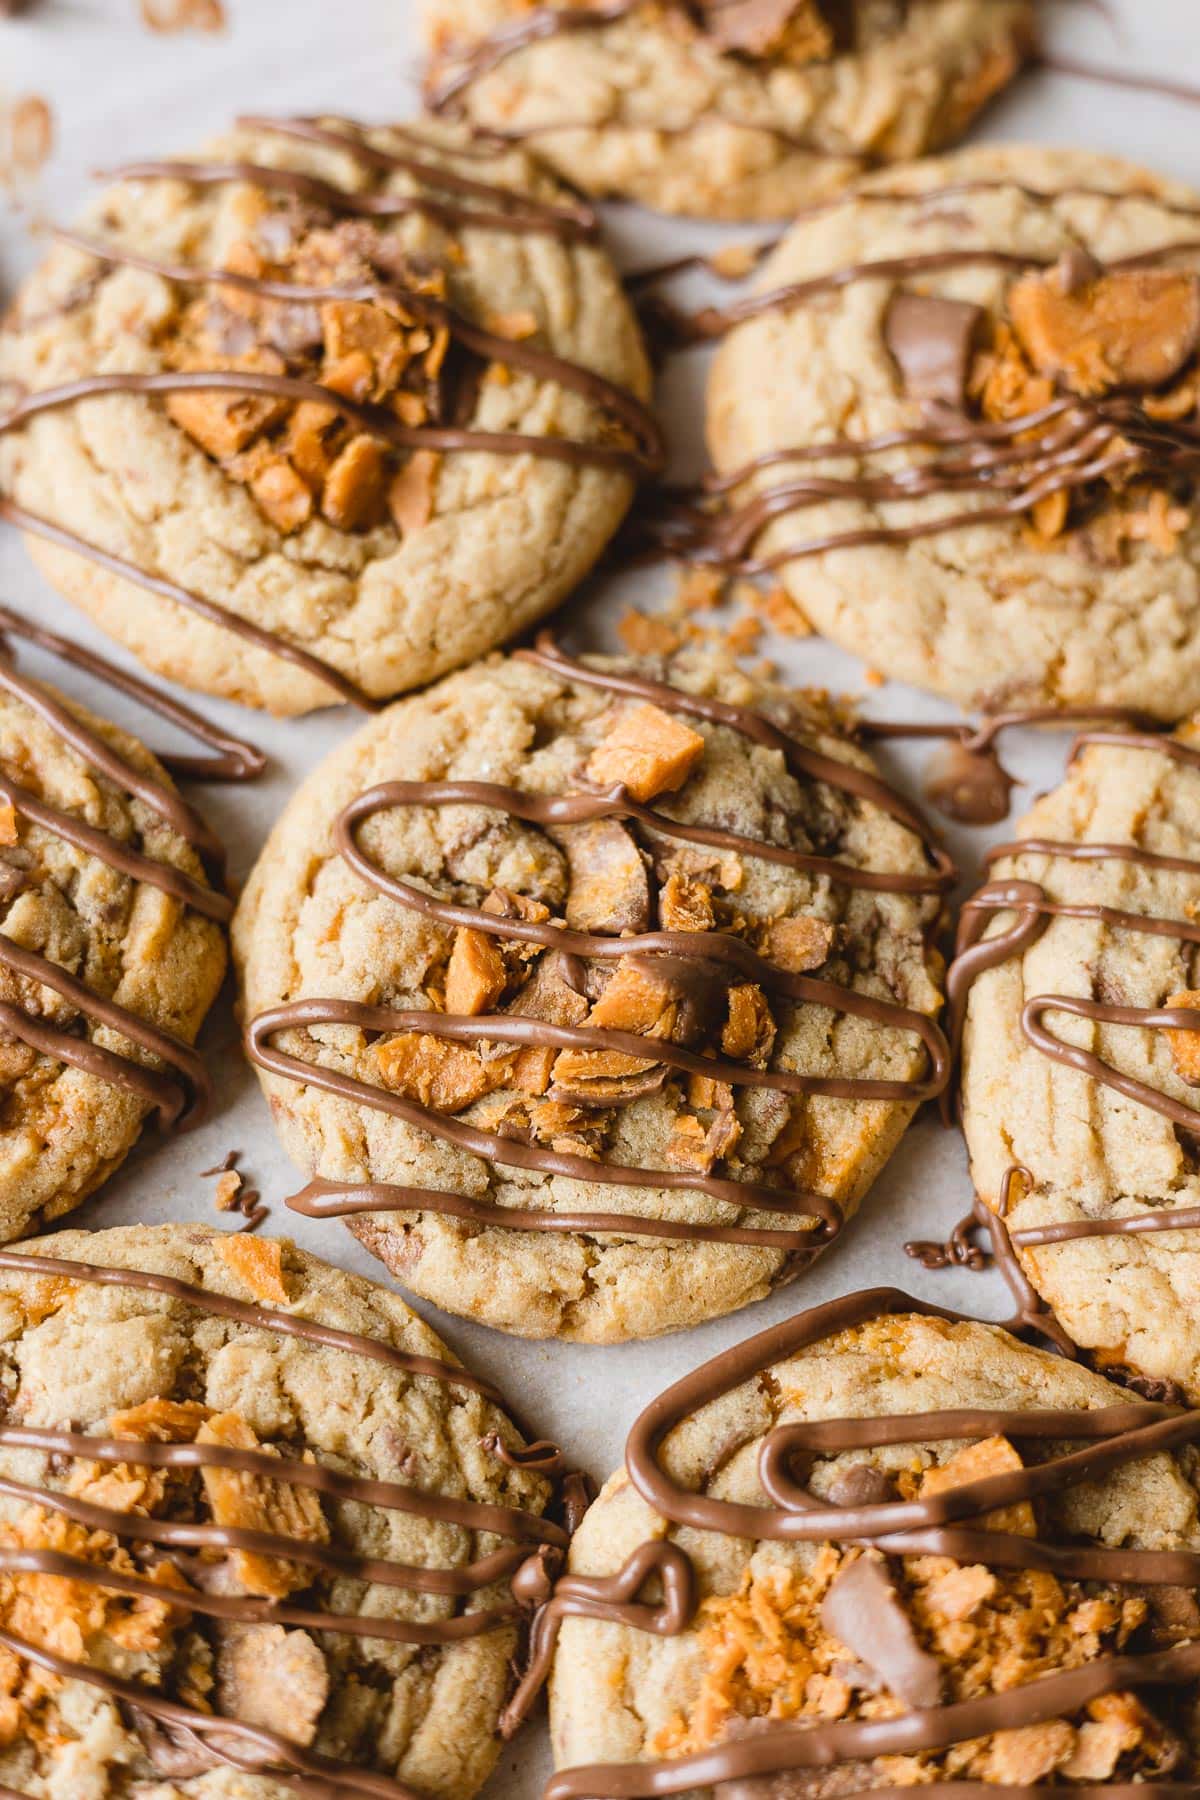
point(230, 1398)
point(95, 913)
point(311, 928)
point(738, 111)
point(387, 563)
point(1064, 569)
point(1095, 1154)
point(833, 1636)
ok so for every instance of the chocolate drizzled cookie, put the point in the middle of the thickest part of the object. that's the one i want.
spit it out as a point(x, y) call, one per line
point(880, 1547)
point(1011, 517)
point(1073, 996)
point(624, 975)
point(111, 947)
point(256, 1520)
point(391, 410)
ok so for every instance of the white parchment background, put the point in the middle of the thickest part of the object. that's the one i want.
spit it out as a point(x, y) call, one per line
point(117, 92)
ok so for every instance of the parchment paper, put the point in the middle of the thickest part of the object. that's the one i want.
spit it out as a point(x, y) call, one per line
point(118, 90)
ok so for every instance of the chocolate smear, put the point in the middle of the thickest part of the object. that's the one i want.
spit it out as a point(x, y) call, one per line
point(931, 341)
point(863, 1612)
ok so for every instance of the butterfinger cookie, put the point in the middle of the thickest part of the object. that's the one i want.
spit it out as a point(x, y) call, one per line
point(258, 1530)
point(325, 411)
point(957, 420)
point(877, 1548)
point(732, 109)
point(594, 994)
point(111, 943)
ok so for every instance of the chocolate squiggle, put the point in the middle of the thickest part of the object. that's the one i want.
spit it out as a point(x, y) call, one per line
point(509, 212)
point(1032, 910)
point(181, 1099)
point(949, 1523)
point(230, 1740)
point(823, 1216)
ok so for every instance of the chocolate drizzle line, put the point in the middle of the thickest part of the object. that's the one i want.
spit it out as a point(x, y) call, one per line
point(949, 1523)
point(325, 1199)
point(234, 759)
point(531, 1536)
point(182, 1098)
point(1032, 910)
point(511, 213)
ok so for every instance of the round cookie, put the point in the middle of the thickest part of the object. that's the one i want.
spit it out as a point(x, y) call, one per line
point(998, 352)
point(111, 946)
point(289, 500)
point(175, 1616)
point(620, 1030)
point(733, 109)
point(791, 1657)
point(1077, 958)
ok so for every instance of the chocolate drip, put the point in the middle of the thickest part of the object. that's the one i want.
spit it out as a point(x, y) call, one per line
point(490, 1145)
point(714, 322)
point(181, 1103)
point(510, 213)
point(968, 782)
point(234, 759)
point(543, 22)
point(520, 213)
point(325, 1199)
point(243, 1312)
point(530, 1535)
point(948, 1523)
point(614, 1599)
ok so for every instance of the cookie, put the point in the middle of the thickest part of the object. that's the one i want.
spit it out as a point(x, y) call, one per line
point(112, 950)
point(617, 990)
point(732, 109)
point(834, 1615)
point(290, 500)
point(1075, 989)
point(958, 421)
point(177, 1616)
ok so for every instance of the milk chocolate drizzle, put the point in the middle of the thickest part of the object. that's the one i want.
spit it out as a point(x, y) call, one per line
point(180, 1098)
point(1032, 909)
point(949, 1523)
point(822, 1214)
point(230, 1741)
point(1006, 467)
point(508, 212)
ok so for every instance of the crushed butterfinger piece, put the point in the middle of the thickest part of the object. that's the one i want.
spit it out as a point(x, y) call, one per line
point(749, 1031)
point(609, 887)
point(799, 943)
point(1185, 1045)
point(513, 325)
point(259, 1263)
point(1029, 1753)
point(976, 1462)
point(476, 976)
point(685, 905)
point(1131, 328)
point(784, 613)
point(272, 1678)
point(229, 1186)
point(647, 752)
point(251, 1502)
point(9, 830)
point(443, 1076)
point(644, 634)
point(411, 492)
point(794, 31)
